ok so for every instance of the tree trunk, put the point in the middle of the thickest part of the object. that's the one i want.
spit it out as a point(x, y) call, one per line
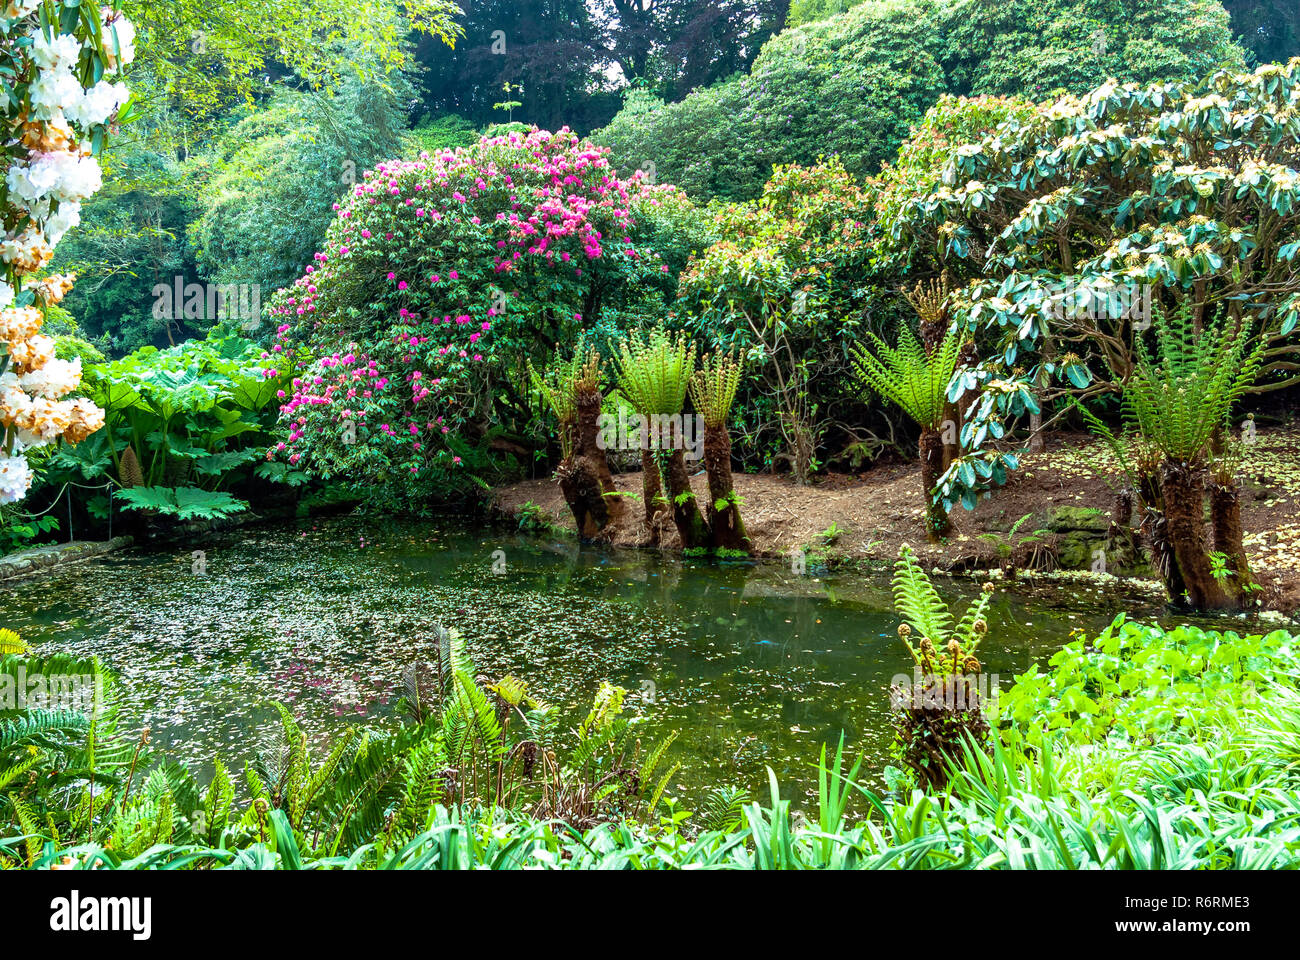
point(652, 490)
point(1156, 527)
point(966, 357)
point(686, 512)
point(937, 524)
point(580, 484)
point(1037, 442)
point(726, 529)
point(1182, 488)
point(950, 434)
point(1225, 522)
point(588, 434)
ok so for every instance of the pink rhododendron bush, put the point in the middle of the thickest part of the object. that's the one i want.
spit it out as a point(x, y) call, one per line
point(439, 279)
point(60, 63)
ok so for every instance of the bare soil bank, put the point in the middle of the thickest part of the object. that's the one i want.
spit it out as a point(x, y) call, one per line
point(1069, 493)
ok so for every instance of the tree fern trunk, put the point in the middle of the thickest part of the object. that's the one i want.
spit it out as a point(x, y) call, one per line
point(582, 491)
point(1156, 527)
point(589, 407)
point(1183, 491)
point(1229, 536)
point(937, 523)
point(652, 491)
point(726, 529)
point(686, 512)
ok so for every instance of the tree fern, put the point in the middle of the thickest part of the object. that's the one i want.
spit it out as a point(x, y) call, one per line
point(908, 376)
point(655, 370)
point(926, 613)
point(713, 387)
point(1178, 397)
point(917, 601)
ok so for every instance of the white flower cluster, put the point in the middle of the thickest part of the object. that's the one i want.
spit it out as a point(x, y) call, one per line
point(58, 173)
point(15, 477)
point(48, 177)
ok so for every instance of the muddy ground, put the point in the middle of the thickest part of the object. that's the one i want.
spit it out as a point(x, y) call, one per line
point(1068, 493)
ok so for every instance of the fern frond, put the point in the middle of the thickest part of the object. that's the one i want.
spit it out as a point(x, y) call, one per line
point(917, 601)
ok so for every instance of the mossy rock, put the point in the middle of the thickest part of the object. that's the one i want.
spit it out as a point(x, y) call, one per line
point(1065, 519)
point(1074, 550)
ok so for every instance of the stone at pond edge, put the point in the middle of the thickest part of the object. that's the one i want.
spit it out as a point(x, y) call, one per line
point(54, 555)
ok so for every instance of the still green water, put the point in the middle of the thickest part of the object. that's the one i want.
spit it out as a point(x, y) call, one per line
point(754, 665)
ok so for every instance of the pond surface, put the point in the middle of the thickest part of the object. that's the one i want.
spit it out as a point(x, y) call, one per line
point(754, 665)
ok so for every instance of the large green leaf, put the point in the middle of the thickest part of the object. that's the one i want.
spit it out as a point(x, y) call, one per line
point(185, 503)
point(218, 463)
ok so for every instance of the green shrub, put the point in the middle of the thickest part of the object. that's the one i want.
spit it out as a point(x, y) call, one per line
point(854, 84)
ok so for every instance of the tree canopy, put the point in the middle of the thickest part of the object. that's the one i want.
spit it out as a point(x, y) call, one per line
point(854, 84)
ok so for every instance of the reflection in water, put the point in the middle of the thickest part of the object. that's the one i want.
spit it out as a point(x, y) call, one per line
point(755, 665)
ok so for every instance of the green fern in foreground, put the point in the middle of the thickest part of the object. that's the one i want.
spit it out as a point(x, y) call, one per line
point(942, 644)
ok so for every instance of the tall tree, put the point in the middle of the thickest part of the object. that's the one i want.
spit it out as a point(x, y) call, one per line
point(204, 56)
point(550, 48)
point(1270, 29)
point(674, 46)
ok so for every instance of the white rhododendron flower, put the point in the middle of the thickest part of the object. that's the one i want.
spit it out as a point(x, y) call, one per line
point(79, 176)
point(124, 30)
point(28, 250)
point(20, 8)
point(56, 379)
point(68, 177)
point(50, 170)
point(98, 104)
point(15, 478)
point(53, 92)
point(64, 219)
point(32, 182)
point(61, 53)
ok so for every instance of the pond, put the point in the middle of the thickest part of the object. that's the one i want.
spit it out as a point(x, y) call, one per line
point(754, 664)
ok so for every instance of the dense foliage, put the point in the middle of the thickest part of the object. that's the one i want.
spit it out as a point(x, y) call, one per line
point(931, 226)
point(853, 84)
point(440, 278)
point(1075, 223)
point(72, 771)
point(1071, 781)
